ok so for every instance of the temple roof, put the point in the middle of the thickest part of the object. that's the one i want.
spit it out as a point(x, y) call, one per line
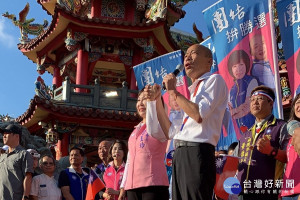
point(49, 6)
point(41, 109)
point(63, 19)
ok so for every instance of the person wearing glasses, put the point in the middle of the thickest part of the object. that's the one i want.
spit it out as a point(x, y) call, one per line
point(44, 186)
point(15, 166)
point(262, 149)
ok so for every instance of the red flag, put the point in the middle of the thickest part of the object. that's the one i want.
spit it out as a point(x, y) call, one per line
point(95, 186)
point(226, 167)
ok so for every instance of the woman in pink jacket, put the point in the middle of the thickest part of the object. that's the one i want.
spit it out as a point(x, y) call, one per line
point(145, 173)
point(115, 170)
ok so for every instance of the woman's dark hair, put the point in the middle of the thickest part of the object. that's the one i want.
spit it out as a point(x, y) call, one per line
point(232, 146)
point(292, 114)
point(124, 148)
point(235, 58)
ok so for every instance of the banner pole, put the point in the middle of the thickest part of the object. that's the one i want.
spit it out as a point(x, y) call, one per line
point(275, 63)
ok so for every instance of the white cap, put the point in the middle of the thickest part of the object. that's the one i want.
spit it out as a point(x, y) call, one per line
point(5, 147)
point(34, 153)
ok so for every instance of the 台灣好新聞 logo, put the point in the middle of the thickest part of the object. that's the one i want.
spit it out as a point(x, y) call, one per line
point(232, 186)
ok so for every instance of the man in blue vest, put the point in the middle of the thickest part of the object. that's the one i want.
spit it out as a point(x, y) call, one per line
point(262, 149)
point(73, 181)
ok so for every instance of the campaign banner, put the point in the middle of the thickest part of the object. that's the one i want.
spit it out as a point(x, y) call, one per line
point(289, 23)
point(209, 44)
point(243, 38)
point(153, 71)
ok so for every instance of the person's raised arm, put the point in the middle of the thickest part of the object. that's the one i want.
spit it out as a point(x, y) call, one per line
point(153, 94)
point(154, 129)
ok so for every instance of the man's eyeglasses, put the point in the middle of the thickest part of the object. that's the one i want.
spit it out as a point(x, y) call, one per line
point(48, 163)
point(258, 98)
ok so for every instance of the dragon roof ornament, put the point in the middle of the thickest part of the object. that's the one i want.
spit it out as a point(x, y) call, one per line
point(25, 25)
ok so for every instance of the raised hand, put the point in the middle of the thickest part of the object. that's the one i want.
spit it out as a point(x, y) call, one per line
point(170, 81)
point(264, 145)
point(152, 92)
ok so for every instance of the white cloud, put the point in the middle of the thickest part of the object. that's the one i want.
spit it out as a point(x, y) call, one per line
point(6, 39)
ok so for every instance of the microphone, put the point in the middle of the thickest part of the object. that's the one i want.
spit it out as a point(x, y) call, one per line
point(178, 69)
point(292, 125)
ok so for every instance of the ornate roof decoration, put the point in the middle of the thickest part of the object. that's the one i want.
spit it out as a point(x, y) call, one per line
point(183, 40)
point(43, 108)
point(154, 9)
point(78, 7)
point(25, 25)
point(31, 45)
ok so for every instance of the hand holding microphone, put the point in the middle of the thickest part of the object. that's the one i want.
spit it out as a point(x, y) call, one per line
point(169, 78)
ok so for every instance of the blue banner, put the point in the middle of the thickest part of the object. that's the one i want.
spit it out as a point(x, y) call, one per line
point(153, 71)
point(242, 36)
point(229, 22)
point(209, 44)
point(289, 23)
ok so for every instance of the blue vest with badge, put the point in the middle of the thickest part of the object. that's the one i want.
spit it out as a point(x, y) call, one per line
point(78, 184)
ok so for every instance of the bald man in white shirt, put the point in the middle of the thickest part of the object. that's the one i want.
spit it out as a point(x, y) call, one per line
point(194, 170)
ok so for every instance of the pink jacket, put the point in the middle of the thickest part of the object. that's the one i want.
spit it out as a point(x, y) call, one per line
point(146, 162)
point(113, 178)
point(291, 179)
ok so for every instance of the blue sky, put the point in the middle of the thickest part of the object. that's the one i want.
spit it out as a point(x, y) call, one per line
point(18, 74)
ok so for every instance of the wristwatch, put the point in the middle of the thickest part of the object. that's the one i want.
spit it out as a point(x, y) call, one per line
point(26, 197)
point(274, 152)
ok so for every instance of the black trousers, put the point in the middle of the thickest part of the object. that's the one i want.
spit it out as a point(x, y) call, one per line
point(194, 172)
point(149, 193)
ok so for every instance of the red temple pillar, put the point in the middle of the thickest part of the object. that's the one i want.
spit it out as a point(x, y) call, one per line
point(95, 10)
point(62, 146)
point(58, 153)
point(65, 144)
point(82, 69)
point(57, 79)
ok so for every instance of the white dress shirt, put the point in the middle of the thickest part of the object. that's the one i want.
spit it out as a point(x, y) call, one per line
point(212, 99)
point(45, 188)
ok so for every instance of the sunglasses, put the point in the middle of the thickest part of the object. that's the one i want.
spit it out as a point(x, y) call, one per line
point(48, 163)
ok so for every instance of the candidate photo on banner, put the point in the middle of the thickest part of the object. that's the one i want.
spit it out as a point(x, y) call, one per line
point(228, 135)
point(289, 23)
point(242, 35)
